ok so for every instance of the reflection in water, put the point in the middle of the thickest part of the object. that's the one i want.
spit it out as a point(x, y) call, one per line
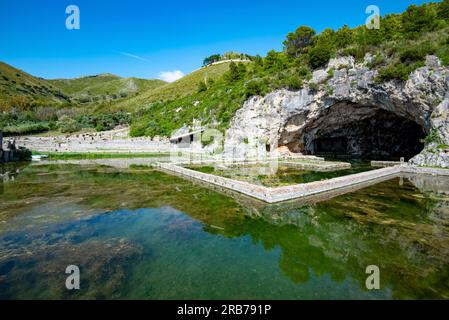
point(277, 174)
point(139, 233)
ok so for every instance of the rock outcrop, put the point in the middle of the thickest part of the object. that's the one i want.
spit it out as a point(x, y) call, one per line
point(344, 107)
point(436, 153)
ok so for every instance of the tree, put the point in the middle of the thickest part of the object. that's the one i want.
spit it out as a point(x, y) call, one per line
point(343, 37)
point(211, 59)
point(443, 10)
point(391, 27)
point(232, 55)
point(258, 61)
point(297, 41)
point(275, 60)
point(236, 71)
point(418, 19)
point(319, 56)
point(327, 36)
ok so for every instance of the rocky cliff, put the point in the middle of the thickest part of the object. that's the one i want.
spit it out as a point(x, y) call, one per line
point(344, 109)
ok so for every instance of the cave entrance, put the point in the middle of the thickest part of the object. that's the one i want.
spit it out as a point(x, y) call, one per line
point(353, 131)
point(338, 145)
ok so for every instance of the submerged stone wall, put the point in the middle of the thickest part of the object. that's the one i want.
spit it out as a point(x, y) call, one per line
point(279, 194)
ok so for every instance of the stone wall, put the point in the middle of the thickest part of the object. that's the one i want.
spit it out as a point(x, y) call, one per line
point(9, 152)
point(279, 194)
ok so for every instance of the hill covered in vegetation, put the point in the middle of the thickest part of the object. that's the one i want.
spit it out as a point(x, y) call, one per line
point(396, 49)
point(31, 105)
point(179, 89)
point(104, 87)
point(98, 102)
point(18, 88)
point(214, 92)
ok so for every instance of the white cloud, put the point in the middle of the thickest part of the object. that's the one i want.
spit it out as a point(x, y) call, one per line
point(170, 76)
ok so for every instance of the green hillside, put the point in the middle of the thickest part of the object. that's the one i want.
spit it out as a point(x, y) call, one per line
point(18, 87)
point(213, 93)
point(399, 47)
point(104, 87)
point(185, 86)
point(32, 105)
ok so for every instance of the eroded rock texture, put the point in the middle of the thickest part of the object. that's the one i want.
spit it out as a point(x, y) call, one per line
point(350, 114)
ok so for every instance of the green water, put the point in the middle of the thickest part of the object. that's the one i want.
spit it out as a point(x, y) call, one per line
point(143, 234)
point(276, 175)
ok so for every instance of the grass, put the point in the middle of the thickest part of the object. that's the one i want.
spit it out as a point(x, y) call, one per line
point(153, 107)
point(81, 155)
point(22, 91)
point(434, 167)
point(104, 87)
point(25, 128)
point(175, 90)
point(16, 85)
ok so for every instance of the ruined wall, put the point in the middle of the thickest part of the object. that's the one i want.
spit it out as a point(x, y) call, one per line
point(9, 152)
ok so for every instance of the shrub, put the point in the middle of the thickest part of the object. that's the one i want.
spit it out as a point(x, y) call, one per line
point(319, 56)
point(358, 52)
point(418, 19)
point(86, 121)
point(314, 86)
point(294, 83)
point(26, 128)
point(202, 86)
point(137, 130)
point(377, 61)
point(236, 72)
point(411, 55)
point(443, 52)
point(45, 113)
point(432, 137)
point(255, 87)
point(304, 72)
point(68, 125)
point(397, 71)
point(443, 10)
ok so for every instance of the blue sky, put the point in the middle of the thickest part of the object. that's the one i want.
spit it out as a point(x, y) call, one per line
point(144, 38)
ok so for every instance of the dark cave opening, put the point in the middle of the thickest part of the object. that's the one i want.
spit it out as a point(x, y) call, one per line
point(365, 132)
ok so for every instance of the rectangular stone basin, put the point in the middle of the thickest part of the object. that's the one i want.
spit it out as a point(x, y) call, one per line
point(280, 174)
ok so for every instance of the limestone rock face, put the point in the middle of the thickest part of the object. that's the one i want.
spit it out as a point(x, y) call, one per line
point(344, 106)
point(436, 153)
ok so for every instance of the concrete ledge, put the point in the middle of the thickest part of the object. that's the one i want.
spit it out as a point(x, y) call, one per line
point(385, 163)
point(280, 194)
point(315, 165)
point(312, 188)
point(426, 170)
point(258, 192)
